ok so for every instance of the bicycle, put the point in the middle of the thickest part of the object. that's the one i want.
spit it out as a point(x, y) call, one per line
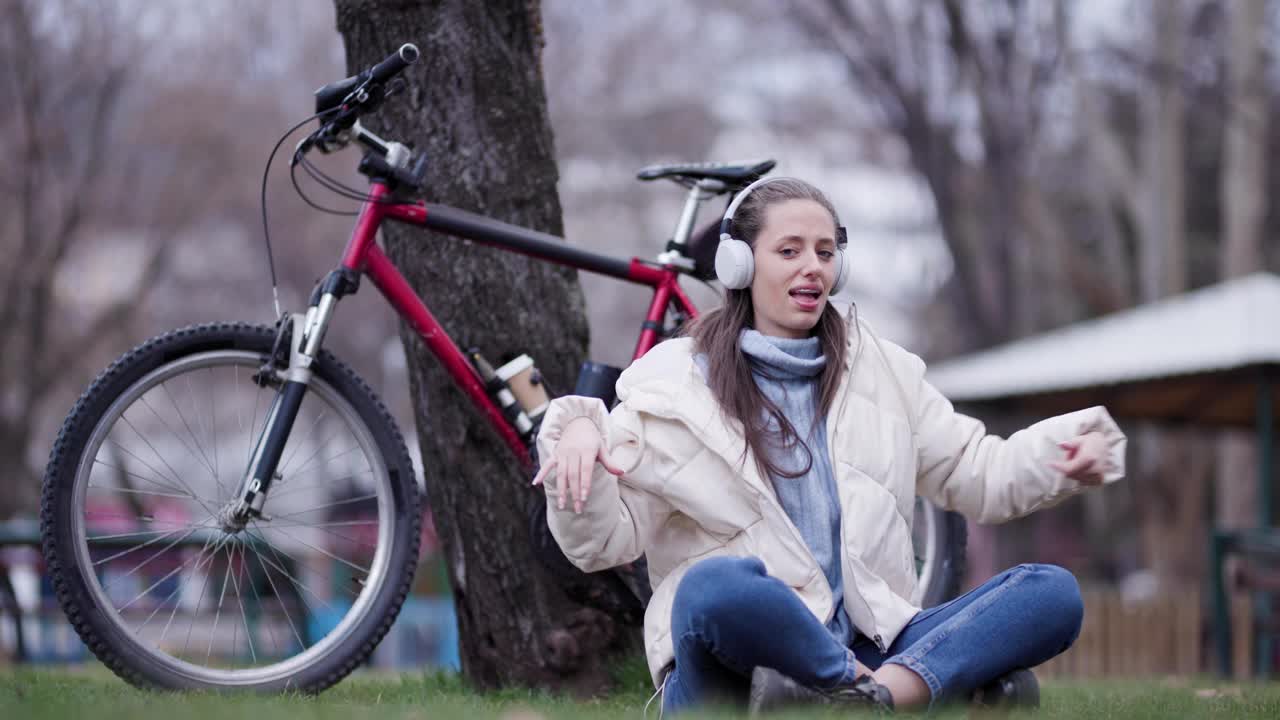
point(134, 545)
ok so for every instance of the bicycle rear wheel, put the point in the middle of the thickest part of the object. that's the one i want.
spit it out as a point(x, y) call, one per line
point(165, 594)
point(938, 539)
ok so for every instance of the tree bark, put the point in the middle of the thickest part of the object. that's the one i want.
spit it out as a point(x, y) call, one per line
point(476, 106)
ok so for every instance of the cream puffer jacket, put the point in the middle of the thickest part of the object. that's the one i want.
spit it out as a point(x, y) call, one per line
point(686, 494)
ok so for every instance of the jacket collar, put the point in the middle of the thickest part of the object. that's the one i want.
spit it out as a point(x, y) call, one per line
point(668, 384)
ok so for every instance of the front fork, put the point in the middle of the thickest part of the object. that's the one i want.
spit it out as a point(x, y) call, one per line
point(305, 334)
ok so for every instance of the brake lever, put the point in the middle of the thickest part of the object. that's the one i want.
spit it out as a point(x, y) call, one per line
point(360, 94)
point(395, 87)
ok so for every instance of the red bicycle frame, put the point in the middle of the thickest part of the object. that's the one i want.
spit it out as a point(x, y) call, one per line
point(363, 255)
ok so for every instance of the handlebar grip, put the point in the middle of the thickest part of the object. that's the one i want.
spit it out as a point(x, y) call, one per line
point(397, 61)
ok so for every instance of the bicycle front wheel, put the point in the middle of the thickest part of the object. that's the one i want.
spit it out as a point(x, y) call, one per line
point(166, 594)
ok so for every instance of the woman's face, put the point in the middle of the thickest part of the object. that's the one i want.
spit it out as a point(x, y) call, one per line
point(795, 265)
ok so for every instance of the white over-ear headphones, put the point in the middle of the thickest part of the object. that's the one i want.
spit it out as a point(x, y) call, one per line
point(735, 264)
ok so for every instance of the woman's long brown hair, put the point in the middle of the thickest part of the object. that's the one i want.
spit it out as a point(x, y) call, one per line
point(716, 334)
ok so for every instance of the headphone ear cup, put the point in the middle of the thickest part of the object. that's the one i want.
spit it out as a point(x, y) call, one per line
point(735, 264)
point(843, 271)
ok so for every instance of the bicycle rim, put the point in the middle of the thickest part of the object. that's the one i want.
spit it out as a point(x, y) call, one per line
point(926, 544)
point(270, 600)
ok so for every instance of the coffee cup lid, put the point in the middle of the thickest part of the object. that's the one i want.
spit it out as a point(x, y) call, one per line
point(515, 367)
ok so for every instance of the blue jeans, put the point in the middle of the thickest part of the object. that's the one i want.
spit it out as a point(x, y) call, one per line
point(729, 616)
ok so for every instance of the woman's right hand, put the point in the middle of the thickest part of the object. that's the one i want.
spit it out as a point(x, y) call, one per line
point(574, 461)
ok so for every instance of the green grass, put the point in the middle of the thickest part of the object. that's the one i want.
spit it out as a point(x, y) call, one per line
point(91, 693)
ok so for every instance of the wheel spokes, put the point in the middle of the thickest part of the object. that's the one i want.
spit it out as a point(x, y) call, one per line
point(149, 502)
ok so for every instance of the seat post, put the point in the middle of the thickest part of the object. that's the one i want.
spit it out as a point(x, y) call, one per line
point(676, 252)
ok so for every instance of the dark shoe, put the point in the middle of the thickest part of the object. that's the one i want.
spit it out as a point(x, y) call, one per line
point(1013, 689)
point(771, 690)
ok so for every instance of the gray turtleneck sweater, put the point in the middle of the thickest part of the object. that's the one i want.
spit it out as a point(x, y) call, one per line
point(788, 372)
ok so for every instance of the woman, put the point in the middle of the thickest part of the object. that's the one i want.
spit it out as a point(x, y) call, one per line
point(768, 466)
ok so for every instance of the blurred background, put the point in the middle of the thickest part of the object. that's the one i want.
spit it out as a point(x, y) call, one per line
point(1055, 203)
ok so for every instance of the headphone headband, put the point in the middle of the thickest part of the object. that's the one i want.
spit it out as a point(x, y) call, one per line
point(735, 265)
point(842, 236)
point(742, 195)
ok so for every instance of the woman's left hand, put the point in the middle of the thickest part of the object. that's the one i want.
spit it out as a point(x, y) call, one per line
point(1086, 460)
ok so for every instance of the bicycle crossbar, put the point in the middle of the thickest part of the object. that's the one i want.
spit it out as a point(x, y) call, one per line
point(365, 256)
point(522, 240)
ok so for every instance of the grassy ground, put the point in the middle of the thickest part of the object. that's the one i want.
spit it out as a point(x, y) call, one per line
point(94, 694)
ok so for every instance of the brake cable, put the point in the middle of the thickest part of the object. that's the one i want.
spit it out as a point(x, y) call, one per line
point(266, 228)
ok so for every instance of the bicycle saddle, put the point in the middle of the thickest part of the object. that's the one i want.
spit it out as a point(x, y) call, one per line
point(731, 174)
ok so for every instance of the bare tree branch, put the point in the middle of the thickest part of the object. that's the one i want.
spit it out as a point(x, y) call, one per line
point(864, 60)
point(53, 362)
point(27, 94)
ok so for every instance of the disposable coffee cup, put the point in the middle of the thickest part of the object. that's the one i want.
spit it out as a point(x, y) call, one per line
point(526, 384)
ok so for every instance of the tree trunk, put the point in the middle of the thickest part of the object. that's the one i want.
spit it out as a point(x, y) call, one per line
point(1172, 468)
point(1244, 161)
point(1162, 140)
point(1242, 188)
point(1243, 195)
point(1170, 465)
point(476, 106)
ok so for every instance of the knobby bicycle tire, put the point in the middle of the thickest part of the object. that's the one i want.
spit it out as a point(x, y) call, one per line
point(101, 628)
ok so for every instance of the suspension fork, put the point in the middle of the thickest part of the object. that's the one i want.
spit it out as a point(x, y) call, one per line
point(306, 333)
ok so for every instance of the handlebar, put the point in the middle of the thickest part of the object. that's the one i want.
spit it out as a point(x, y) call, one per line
point(395, 62)
point(365, 88)
point(342, 103)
